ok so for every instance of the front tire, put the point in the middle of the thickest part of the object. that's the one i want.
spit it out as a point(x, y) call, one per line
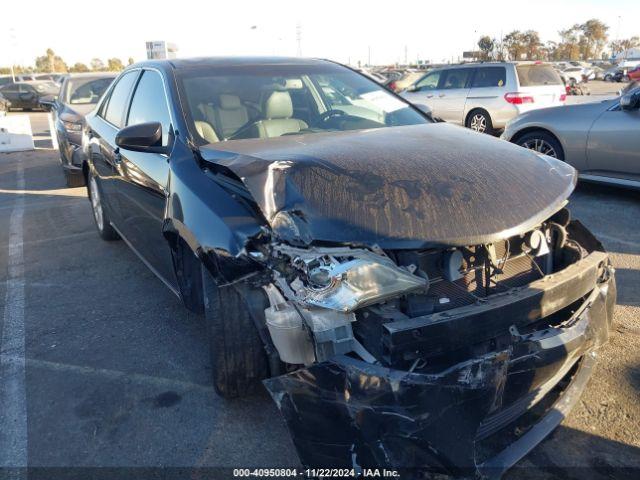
point(238, 358)
point(100, 216)
point(480, 121)
point(542, 142)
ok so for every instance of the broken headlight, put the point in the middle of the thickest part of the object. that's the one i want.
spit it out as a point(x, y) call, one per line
point(360, 279)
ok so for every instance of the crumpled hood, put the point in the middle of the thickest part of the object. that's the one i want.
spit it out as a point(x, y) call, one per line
point(400, 187)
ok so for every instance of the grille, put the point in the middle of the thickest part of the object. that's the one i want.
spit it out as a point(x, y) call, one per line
point(518, 270)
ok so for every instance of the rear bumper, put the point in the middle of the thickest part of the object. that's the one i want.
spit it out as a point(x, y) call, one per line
point(348, 413)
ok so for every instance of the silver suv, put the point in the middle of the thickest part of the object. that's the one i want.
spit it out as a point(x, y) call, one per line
point(485, 96)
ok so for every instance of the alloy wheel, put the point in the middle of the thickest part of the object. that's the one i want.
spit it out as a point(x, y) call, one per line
point(541, 146)
point(96, 204)
point(478, 123)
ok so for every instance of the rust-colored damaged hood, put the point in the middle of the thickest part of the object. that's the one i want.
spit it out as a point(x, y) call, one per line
point(399, 187)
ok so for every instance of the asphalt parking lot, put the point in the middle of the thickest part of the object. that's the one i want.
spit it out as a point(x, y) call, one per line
point(116, 374)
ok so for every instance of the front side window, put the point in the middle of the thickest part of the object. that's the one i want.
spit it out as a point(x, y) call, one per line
point(149, 103)
point(264, 101)
point(118, 99)
point(486, 77)
point(429, 82)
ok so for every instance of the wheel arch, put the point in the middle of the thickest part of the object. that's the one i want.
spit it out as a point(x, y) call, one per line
point(521, 133)
point(476, 109)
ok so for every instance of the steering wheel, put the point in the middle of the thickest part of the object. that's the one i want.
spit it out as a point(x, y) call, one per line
point(332, 113)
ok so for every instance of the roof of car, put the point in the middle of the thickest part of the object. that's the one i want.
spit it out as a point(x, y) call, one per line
point(183, 63)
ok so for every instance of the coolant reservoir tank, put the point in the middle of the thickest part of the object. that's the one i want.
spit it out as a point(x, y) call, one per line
point(289, 335)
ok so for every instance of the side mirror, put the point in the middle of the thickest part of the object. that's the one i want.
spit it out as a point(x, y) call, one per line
point(143, 137)
point(630, 101)
point(48, 102)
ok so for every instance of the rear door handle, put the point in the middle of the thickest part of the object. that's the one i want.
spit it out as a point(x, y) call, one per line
point(441, 95)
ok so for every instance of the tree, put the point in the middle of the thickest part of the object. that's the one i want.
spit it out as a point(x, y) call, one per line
point(531, 42)
point(622, 46)
point(594, 38)
point(569, 48)
point(114, 65)
point(514, 43)
point(97, 65)
point(79, 68)
point(50, 62)
point(486, 47)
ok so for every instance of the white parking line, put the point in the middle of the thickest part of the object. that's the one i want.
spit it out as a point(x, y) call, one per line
point(13, 407)
point(139, 378)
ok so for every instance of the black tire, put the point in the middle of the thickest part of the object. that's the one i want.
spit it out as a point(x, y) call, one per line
point(480, 121)
point(238, 358)
point(528, 140)
point(608, 78)
point(103, 225)
point(74, 179)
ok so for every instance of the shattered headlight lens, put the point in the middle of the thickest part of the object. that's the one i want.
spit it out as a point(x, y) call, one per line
point(359, 282)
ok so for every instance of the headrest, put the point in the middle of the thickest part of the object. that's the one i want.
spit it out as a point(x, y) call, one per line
point(278, 105)
point(230, 102)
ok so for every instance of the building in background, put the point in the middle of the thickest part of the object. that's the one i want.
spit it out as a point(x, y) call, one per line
point(161, 50)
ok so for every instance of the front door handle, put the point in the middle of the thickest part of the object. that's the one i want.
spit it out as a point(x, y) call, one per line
point(429, 96)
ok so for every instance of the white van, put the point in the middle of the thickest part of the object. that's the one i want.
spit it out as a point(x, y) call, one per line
point(485, 96)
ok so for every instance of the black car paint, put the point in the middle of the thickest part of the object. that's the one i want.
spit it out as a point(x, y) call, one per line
point(415, 186)
point(70, 142)
point(196, 194)
point(24, 96)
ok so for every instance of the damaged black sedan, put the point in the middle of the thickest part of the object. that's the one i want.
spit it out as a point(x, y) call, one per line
point(412, 294)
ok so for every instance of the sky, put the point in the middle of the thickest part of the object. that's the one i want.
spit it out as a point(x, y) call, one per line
point(347, 31)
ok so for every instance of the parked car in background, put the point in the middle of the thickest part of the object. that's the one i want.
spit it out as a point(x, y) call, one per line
point(610, 73)
point(4, 104)
point(576, 75)
point(406, 290)
point(406, 80)
point(54, 77)
point(27, 95)
point(484, 97)
point(634, 74)
point(5, 80)
point(79, 94)
point(601, 140)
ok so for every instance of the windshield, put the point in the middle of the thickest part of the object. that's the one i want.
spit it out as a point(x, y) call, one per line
point(229, 103)
point(86, 91)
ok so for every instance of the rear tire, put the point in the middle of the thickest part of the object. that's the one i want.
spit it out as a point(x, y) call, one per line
point(542, 142)
point(238, 358)
point(480, 121)
point(74, 179)
point(100, 215)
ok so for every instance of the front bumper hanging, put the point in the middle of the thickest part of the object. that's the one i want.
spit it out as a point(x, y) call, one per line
point(349, 413)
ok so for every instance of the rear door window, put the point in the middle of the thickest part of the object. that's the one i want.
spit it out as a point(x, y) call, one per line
point(455, 78)
point(487, 77)
point(118, 99)
point(537, 75)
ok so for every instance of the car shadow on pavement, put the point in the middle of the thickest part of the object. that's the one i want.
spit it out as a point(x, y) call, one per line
point(574, 454)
